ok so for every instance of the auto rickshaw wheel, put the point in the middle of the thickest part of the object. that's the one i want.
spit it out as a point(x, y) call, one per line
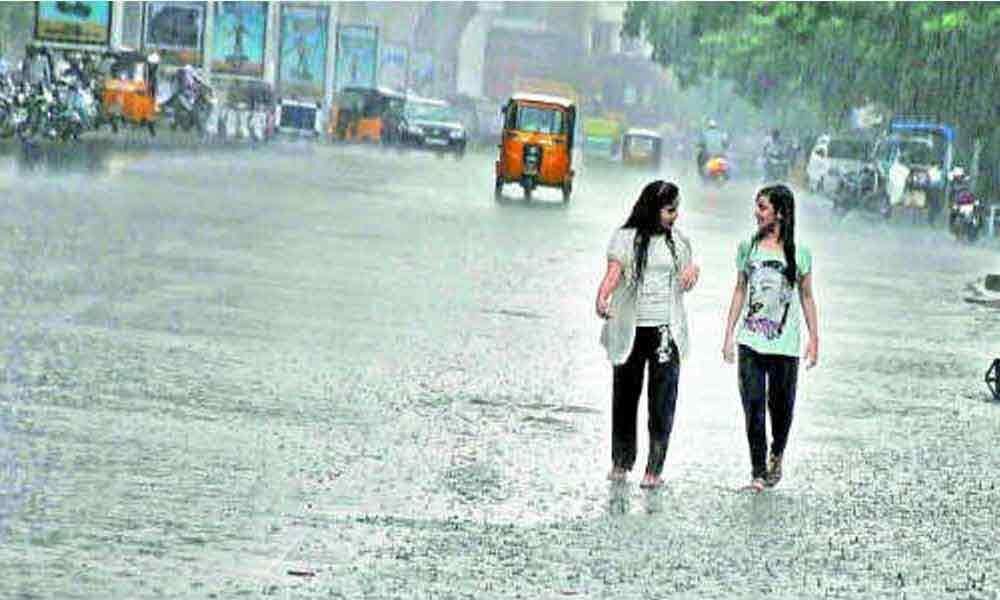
point(151, 127)
point(527, 193)
point(498, 189)
point(114, 124)
point(567, 191)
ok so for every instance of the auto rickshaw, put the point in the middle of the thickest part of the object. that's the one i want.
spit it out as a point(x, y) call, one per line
point(642, 148)
point(536, 146)
point(128, 94)
point(366, 115)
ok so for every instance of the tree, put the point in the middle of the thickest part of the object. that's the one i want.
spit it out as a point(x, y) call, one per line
point(935, 59)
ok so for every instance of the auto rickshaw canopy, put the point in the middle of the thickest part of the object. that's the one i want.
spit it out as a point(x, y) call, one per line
point(542, 99)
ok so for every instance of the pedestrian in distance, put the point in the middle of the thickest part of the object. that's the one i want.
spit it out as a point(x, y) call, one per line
point(773, 285)
point(650, 266)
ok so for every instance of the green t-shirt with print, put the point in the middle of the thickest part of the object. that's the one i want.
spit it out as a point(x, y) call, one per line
point(770, 323)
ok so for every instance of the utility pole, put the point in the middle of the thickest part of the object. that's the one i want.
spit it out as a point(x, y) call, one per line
point(410, 41)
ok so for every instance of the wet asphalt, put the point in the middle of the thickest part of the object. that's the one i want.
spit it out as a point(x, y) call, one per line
point(312, 371)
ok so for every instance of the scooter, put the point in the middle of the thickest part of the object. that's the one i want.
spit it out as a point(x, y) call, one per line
point(716, 170)
point(859, 189)
point(966, 218)
point(776, 165)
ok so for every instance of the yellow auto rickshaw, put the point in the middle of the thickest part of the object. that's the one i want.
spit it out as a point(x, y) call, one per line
point(128, 94)
point(366, 115)
point(536, 145)
point(642, 148)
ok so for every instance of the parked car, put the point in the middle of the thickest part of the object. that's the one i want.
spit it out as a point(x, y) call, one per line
point(432, 125)
point(831, 157)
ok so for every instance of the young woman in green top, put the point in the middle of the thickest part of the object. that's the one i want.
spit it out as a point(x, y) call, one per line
point(773, 284)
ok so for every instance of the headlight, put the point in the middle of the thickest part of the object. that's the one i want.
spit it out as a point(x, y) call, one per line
point(415, 129)
point(457, 134)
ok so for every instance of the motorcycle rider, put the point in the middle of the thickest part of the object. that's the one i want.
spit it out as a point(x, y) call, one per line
point(775, 150)
point(773, 142)
point(712, 142)
point(37, 69)
point(965, 215)
point(189, 87)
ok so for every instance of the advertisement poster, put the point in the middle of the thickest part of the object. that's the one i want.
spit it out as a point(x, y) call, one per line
point(302, 62)
point(392, 66)
point(175, 30)
point(422, 72)
point(238, 36)
point(73, 22)
point(357, 56)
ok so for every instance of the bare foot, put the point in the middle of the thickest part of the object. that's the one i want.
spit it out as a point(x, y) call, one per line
point(617, 474)
point(650, 481)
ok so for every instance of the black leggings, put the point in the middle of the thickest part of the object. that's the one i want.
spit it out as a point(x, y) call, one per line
point(654, 346)
point(769, 378)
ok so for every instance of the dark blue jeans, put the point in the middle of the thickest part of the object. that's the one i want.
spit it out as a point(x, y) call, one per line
point(654, 348)
point(767, 383)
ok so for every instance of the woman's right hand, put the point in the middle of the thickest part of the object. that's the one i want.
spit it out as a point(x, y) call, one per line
point(729, 350)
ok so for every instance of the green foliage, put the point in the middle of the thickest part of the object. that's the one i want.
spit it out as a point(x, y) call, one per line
point(936, 59)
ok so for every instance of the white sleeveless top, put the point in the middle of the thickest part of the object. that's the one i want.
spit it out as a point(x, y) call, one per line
point(662, 300)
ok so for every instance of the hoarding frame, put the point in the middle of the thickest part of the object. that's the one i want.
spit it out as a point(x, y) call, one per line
point(71, 43)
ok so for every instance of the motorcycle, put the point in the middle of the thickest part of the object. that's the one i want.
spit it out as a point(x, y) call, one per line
point(777, 165)
point(191, 109)
point(75, 110)
point(37, 118)
point(859, 189)
point(966, 218)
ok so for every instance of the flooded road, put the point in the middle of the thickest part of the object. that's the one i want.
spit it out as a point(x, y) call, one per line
point(312, 371)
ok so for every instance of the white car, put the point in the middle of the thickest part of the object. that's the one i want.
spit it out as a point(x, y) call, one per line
point(832, 155)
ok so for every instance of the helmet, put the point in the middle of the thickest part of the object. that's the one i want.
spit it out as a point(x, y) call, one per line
point(711, 124)
point(956, 174)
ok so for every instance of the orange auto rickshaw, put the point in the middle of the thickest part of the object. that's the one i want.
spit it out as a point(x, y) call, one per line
point(366, 115)
point(128, 94)
point(536, 145)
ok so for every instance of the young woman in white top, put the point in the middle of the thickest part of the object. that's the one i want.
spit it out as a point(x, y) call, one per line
point(650, 265)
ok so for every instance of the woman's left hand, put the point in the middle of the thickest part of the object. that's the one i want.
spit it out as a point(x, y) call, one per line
point(689, 277)
point(812, 353)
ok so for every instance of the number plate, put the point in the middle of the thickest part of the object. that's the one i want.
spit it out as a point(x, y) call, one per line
point(436, 142)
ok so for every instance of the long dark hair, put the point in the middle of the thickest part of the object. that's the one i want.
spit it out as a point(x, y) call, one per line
point(783, 201)
point(645, 219)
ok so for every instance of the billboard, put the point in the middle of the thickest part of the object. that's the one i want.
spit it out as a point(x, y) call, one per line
point(357, 56)
point(238, 38)
point(302, 51)
point(392, 66)
point(73, 22)
point(175, 30)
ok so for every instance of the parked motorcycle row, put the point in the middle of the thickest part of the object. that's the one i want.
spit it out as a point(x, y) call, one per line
point(116, 90)
point(62, 110)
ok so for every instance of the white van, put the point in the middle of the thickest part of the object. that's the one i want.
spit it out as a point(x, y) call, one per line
point(833, 154)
